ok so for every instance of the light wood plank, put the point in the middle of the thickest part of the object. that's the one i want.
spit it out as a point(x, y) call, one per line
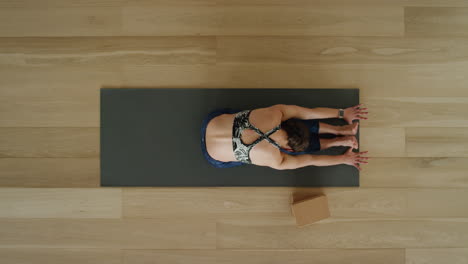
point(158, 202)
point(60, 96)
point(106, 51)
point(59, 3)
point(60, 203)
point(436, 21)
point(417, 111)
point(340, 50)
point(281, 233)
point(415, 83)
point(48, 22)
point(303, 3)
point(380, 172)
point(372, 80)
point(437, 255)
point(403, 203)
point(163, 20)
point(318, 256)
point(60, 256)
point(319, 20)
point(180, 3)
point(382, 142)
point(48, 96)
point(49, 142)
point(108, 233)
point(439, 3)
point(415, 172)
point(49, 172)
point(437, 142)
point(383, 203)
point(443, 203)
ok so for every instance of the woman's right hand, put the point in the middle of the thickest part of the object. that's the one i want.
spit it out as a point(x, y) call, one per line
point(354, 158)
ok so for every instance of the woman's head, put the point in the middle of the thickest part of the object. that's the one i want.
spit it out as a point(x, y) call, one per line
point(298, 134)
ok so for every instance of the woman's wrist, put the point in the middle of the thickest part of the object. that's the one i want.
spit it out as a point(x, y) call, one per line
point(341, 159)
point(341, 113)
point(336, 159)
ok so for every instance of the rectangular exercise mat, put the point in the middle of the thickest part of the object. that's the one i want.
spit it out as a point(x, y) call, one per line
point(151, 137)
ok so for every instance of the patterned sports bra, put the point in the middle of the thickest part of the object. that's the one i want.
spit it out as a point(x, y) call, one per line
point(241, 150)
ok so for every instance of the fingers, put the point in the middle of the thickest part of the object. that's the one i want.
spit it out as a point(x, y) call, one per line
point(358, 109)
point(358, 159)
point(357, 106)
point(357, 166)
point(359, 113)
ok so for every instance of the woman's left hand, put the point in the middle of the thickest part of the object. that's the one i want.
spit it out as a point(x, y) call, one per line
point(354, 113)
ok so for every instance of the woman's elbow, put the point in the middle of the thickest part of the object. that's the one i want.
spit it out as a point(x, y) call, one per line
point(285, 164)
point(281, 167)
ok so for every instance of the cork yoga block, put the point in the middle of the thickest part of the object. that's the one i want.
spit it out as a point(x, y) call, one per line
point(310, 210)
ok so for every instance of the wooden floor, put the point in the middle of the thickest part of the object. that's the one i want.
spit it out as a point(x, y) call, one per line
point(408, 57)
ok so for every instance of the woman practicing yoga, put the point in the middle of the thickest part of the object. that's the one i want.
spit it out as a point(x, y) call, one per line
point(281, 137)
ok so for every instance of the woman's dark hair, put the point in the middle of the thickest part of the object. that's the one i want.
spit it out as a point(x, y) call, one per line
point(298, 134)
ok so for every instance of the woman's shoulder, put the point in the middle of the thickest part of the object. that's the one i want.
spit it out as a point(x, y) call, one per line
point(271, 112)
point(267, 156)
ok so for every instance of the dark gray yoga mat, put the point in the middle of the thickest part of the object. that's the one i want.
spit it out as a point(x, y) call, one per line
point(151, 137)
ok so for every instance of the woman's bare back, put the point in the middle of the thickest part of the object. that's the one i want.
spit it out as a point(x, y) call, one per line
point(219, 136)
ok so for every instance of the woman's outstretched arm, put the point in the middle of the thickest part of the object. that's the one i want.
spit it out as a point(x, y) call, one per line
point(295, 111)
point(290, 162)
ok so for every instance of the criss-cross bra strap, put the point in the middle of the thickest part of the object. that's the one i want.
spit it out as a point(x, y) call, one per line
point(265, 136)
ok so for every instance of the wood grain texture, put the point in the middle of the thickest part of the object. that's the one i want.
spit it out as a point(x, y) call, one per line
point(436, 21)
point(49, 172)
point(164, 20)
point(317, 256)
point(416, 111)
point(416, 172)
point(300, 3)
point(56, 107)
point(382, 142)
point(59, 96)
point(109, 51)
point(108, 233)
point(378, 80)
point(382, 203)
point(60, 256)
point(60, 203)
point(407, 57)
point(436, 3)
point(437, 255)
point(59, 3)
point(60, 21)
point(270, 232)
point(340, 50)
point(48, 96)
point(169, 20)
point(49, 142)
point(437, 142)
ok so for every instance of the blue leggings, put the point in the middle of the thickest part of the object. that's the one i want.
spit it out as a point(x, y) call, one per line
point(213, 162)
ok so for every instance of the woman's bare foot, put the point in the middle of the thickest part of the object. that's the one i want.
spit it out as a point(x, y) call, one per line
point(346, 130)
point(349, 130)
point(347, 141)
point(350, 141)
